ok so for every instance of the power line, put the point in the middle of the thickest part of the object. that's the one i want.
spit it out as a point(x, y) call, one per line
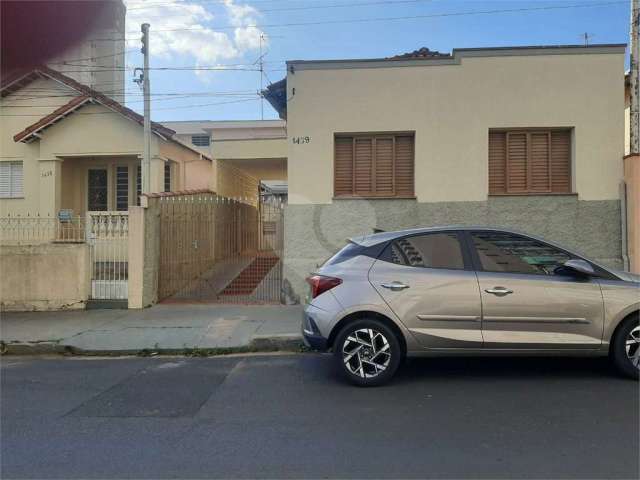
point(164, 99)
point(186, 67)
point(203, 69)
point(336, 5)
point(198, 105)
point(219, 2)
point(66, 62)
point(386, 19)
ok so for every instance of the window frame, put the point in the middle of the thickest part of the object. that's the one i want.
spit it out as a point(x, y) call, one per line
point(116, 185)
point(464, 249)
point(477, 263)
point(373, 135)
point(19, 194)
point(167, 179)
point(528, 131)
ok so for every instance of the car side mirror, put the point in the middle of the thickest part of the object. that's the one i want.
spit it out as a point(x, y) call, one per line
point(579, 266)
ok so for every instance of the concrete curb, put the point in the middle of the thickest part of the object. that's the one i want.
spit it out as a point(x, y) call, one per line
point(260, 343)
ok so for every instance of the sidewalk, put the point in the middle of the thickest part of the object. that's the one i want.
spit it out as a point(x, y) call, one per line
point(176, 328)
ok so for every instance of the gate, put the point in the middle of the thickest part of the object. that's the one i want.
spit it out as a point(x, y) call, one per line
point(107, 236)
point(215, 249)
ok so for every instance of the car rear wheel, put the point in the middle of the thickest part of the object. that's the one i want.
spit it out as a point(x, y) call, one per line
point(367, 352)
point(625, 347)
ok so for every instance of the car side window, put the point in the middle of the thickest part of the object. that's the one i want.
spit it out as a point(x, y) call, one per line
point(511, 253)
point(432, 250)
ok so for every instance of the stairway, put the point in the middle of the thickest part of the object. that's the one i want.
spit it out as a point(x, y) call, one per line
point(249, 279)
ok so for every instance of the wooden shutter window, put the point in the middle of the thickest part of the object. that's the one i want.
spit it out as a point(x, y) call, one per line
point(517, 162)
point(539, 155)
point(374, 166)
point(384, 166)
point(529, 162)
point(561, 161)
point(363, 167)
point(404, 166)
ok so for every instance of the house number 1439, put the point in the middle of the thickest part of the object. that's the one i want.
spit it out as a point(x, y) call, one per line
point(301, 140)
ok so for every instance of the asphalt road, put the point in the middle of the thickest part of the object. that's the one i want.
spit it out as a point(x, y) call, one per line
point(289, 416)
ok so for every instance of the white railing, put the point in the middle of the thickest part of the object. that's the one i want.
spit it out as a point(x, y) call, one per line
point(27, 230)
point(107, 234)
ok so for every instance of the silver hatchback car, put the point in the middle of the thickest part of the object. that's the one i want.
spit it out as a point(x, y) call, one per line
point(466, 290)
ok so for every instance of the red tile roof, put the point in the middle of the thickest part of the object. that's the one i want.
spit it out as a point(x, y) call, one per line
point(16, 82)
point(423, 52)
point(57, 114)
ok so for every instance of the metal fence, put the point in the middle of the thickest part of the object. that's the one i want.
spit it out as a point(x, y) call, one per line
point(28, 230)
point(215, 249)
point(107, 236)
point(234, 183)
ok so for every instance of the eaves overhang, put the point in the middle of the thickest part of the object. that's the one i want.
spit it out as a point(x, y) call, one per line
point(456, 56)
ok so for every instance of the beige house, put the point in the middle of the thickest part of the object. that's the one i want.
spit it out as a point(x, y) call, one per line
point(529, 137)
point(75, 149)
point(255, 147)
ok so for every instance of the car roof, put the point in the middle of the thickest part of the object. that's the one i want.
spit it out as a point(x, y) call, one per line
point(377, 238)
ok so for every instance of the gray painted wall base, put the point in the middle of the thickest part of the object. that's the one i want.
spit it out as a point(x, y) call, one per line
point(315, 232)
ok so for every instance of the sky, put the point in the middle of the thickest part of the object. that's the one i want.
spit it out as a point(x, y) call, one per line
point(218, 41)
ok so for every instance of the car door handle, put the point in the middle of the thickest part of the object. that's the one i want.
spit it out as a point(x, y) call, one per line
point(499, 291)
point(395, 286)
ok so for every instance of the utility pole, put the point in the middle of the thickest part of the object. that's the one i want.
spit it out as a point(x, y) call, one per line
point(146, 89)
point(634, 107)
point(261, 79)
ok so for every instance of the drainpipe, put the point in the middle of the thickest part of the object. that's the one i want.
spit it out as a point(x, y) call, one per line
point(623, 226)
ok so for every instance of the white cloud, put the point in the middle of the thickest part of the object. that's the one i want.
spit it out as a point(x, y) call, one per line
point(193, 39)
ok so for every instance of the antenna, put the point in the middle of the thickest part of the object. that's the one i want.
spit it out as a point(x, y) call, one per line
point(587, 38)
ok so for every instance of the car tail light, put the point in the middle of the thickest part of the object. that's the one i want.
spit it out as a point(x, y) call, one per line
point(320, 284)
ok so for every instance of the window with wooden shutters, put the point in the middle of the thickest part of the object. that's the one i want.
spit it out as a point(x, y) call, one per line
point(11, 180)
point(532, 161)
point(379, 165)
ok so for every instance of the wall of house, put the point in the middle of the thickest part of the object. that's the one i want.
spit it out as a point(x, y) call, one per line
point(20, 110)
point(193, 171)
point(250, 148)
point(261, 168)
point(451, 109)
point(632, 180)
point(26, 283)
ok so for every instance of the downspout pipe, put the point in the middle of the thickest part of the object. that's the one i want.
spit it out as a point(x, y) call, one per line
point(624, 226)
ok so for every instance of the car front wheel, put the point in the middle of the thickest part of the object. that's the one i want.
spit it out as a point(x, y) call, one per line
point(625, 347)
point(367, 352)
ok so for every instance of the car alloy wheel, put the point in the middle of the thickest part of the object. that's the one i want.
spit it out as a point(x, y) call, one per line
point(632, 347)
point(366, 353)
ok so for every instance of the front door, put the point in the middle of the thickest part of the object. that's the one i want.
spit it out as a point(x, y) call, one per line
point(428, 282)
point(527, 301)
point(97, 190)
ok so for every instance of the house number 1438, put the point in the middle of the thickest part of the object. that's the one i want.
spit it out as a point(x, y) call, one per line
point(301, 140)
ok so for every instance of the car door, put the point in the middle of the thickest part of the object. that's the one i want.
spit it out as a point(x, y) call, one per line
point(429, 283)
point(528, 300)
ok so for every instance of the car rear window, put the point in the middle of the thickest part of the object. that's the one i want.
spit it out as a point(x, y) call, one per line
point(350, 250)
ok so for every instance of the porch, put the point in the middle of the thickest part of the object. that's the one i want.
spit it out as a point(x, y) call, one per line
point(108, 183)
